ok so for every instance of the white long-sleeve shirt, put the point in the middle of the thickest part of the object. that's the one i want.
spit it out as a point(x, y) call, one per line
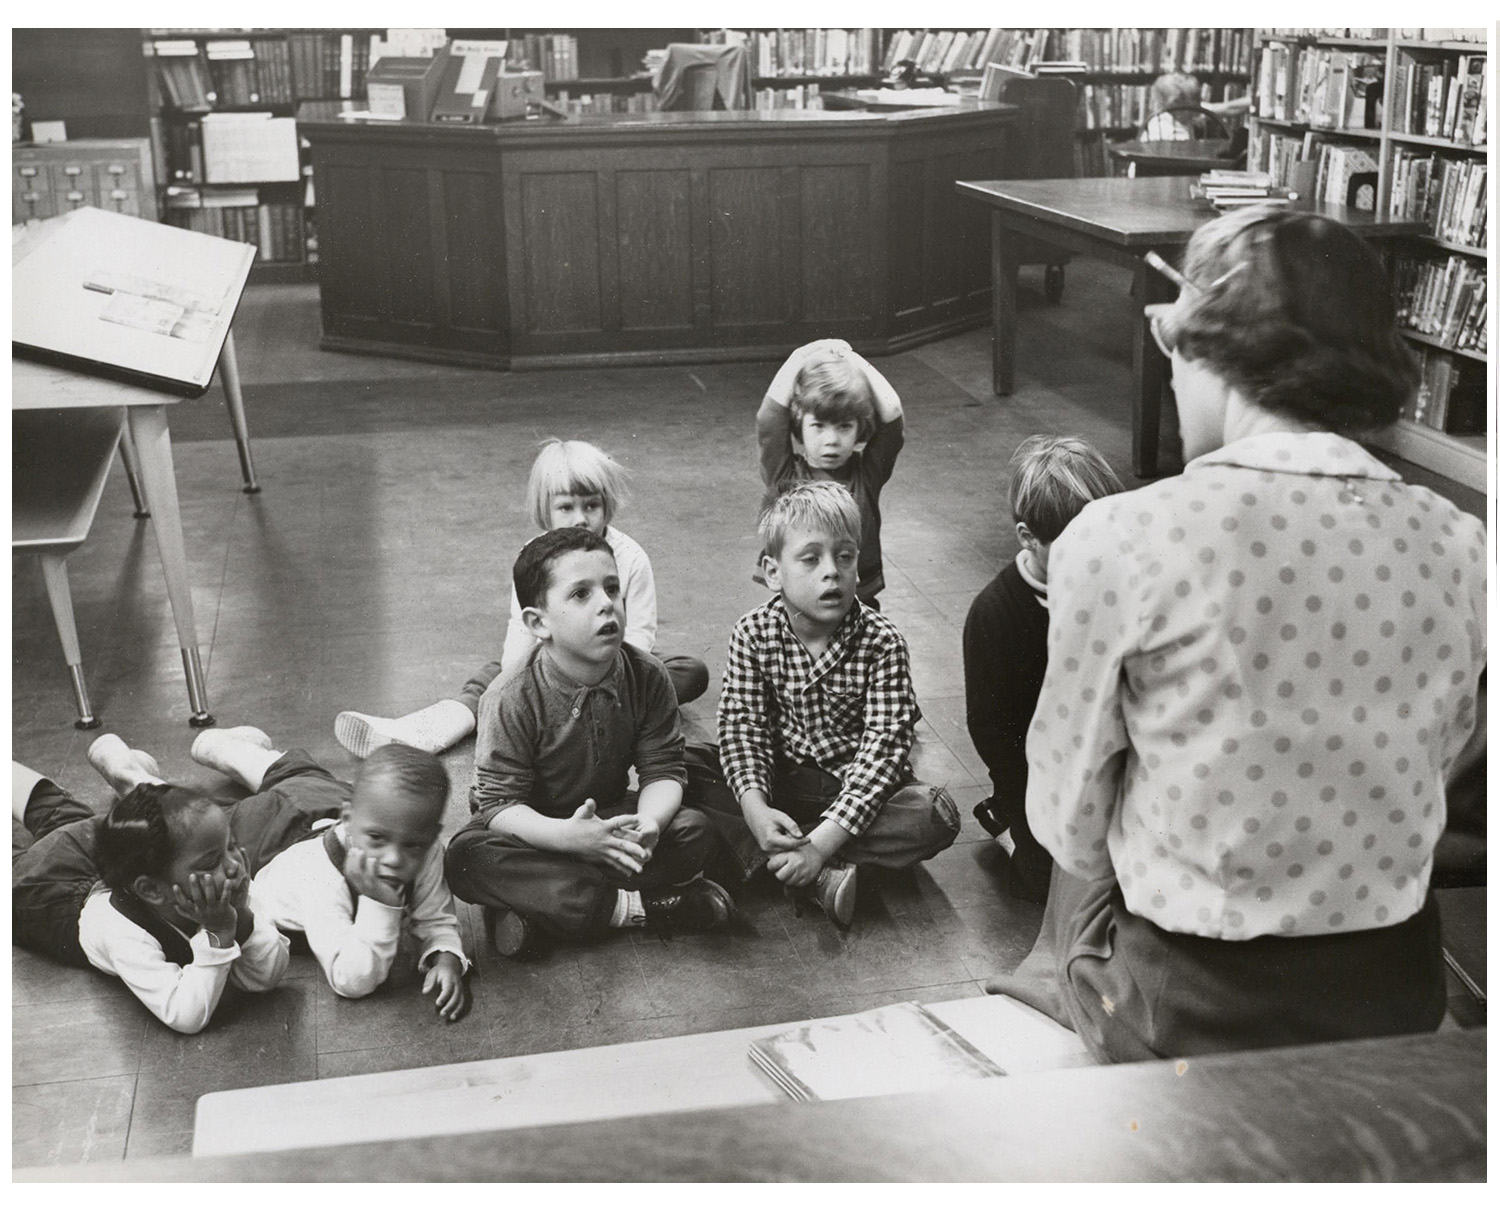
point(183, 997)
point(637, 594)
point(355, 945)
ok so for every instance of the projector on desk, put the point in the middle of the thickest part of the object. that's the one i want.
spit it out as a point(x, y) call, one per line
point(516, 94)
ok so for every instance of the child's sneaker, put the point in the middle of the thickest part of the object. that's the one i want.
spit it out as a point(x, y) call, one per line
point(512, 933)
point(835, 889)
point(122, 767)
point(699, 905)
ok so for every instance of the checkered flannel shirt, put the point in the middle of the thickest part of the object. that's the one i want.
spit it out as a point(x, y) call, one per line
point(851, 711)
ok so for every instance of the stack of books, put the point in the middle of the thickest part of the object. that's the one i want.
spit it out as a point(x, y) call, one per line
point(1443, 299)
point(1227, 189)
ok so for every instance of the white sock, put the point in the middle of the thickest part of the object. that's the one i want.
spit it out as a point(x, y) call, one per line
point(433, 729)
point(242, 752)
point(23, 782)
point(629, 910)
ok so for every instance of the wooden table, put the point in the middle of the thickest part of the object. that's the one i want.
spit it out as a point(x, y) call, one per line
point(1401, 1108)
point(1117, 219)
point(1171, 158)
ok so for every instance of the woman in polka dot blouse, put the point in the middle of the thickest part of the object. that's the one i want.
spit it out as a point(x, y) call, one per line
point(1259, 673)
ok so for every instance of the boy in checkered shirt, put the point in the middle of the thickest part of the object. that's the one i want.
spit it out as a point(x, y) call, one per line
point(812, 775)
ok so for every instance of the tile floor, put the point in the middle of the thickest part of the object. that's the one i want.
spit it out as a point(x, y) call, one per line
point(372, 572)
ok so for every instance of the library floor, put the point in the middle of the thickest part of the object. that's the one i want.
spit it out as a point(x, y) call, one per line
point(372, 573)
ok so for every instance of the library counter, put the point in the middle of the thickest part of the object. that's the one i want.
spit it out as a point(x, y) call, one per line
point(634, 238)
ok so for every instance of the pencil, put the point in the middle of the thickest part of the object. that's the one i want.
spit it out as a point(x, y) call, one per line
point(1155, 261)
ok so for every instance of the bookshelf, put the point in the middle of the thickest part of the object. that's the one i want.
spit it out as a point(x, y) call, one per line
point(1412, 142)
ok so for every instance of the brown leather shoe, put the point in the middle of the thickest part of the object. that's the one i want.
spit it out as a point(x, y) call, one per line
point(699, 905)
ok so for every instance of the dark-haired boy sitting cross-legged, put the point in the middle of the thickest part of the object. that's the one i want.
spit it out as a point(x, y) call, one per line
point(557, 845)
point(816, 719)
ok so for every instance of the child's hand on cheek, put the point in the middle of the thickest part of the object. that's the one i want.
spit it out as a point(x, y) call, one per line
point(362, 871)
point(447, 977)
point(206, 902)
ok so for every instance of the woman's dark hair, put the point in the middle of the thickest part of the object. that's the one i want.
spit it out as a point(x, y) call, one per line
point(135, 838)
point(1295, 311)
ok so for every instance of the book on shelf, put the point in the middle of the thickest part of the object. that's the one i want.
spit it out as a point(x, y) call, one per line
point(1319, 86)
point(183, 72)
point(1428, 33)
point(1448, 193)
point(275, 228)
point(900, 1048)
point(1450, 393)
point(1444, 299)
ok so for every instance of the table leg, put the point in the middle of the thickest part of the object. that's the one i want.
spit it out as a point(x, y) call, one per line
point(1150, 372)
point(132, 464)
point(229, 370)
point(153, 445)
point(1003, 307)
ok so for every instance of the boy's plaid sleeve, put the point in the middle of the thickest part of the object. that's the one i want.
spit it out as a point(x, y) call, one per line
point(746, 747)
point(879, 766)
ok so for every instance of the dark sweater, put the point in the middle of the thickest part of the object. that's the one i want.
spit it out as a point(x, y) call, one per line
point(1005, 661)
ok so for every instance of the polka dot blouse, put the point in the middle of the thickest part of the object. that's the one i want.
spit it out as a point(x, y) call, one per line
point(1258, 674)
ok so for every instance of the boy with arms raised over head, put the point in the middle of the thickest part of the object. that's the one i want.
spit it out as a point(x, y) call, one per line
point(352, 883)
point(558, 846)
point(816, 719)
point(829, 415)
point(1052, 478)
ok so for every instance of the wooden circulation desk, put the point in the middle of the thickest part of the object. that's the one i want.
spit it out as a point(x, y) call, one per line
point(645, 238)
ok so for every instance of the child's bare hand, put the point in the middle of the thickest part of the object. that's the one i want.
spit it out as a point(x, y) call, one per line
point(447, 977)
point(774, 831)
point(646, 834)
point(206, 901)
point(362, 871)
point(239, 880)
point(607, 840)
point(796, 868)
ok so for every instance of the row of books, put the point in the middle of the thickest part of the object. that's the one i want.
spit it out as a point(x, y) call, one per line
point(1447, 193)
point(554, 55)
point(275, 228)
point(1430, 33)
point(806, 52)
point(1345, 175)
point(1445, 98)
point(1124, 106)
point(1320, 86)
point(1442, 298)
point(1327, 31)
point(1450, 396)
point(275, 70)
point(605, 103)
point(1155, 50)
point(794, 97)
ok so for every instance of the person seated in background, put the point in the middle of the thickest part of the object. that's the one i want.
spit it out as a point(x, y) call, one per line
point(557, 845)
point(366, 863)
point(812, 775)
point(829, 415)
point(1174, 97)
point(1052, 478)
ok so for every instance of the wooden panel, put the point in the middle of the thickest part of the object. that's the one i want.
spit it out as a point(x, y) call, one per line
point(904, 226)
point(746, 252)
point(944, 278)
point(654, 222)
point(475, 260)
point(406, 244)
point(835, 245)
point(94, 79)
point(350, 270)
point(560, 236)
